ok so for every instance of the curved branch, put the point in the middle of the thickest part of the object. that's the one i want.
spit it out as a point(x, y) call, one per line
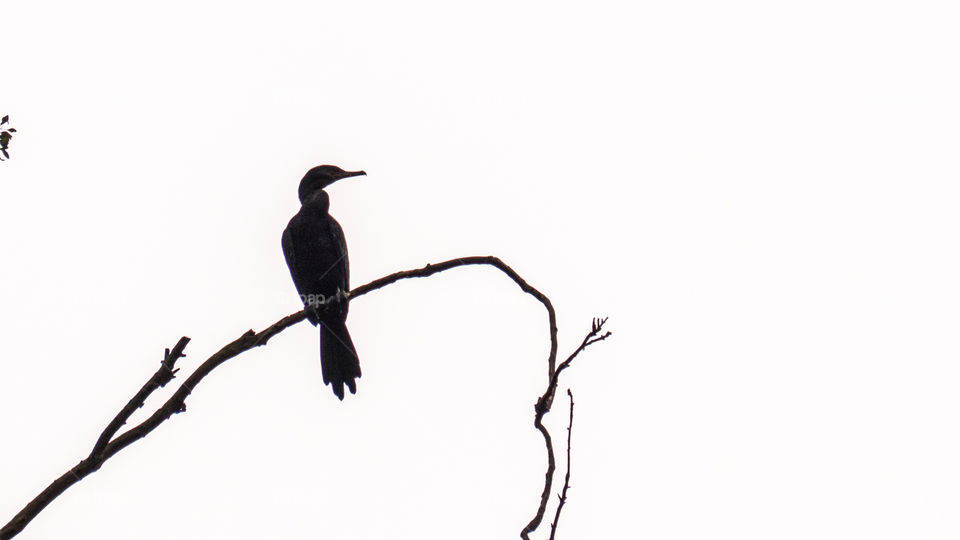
point(545, 401)
point(104, 450)
point(543, 407)
point(431, 269)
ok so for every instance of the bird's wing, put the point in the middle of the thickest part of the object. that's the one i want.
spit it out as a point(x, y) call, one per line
point(341, 243)
point(287, 243)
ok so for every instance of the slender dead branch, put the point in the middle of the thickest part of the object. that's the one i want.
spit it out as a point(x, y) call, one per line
point(163, 375)
point(543, 407)
point(566, 478)
point(107, 446)
point(546, 400)
point(431, 269)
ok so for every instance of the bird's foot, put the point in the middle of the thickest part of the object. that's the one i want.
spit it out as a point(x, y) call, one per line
point(318, 306)
point(312, 310)
point(338, 303)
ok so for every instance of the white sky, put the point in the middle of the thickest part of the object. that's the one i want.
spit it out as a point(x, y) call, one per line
point(761, 196)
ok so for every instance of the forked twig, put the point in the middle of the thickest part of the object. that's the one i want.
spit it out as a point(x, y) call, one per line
point(543, 407)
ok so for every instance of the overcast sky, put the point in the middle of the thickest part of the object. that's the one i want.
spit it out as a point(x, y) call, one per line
point(762, 196)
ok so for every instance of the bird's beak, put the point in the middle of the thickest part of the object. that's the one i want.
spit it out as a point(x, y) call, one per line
point(348, 174)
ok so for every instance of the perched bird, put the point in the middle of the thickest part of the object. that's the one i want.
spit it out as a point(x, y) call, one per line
point(316, 254)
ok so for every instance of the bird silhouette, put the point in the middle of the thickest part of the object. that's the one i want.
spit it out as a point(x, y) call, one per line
point(316, 253)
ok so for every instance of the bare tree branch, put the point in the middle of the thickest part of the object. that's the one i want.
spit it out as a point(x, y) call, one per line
point(566, 479)
point(164, 375)
point(107, 446)
point(431, 269)
point(542, 408)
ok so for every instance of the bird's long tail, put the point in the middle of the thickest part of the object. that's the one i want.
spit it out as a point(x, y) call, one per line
point(338, 357)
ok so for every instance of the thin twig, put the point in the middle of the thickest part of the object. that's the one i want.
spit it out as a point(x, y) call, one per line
point(566, 479)
point(543, 407)
point(431, 269)
point(163, 375)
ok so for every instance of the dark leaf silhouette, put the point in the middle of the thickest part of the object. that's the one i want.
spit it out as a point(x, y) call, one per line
point(5, 136)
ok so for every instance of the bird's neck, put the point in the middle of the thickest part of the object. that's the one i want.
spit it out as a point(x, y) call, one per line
point(318, 201)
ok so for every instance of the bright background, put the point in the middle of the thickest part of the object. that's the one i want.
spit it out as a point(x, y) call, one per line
point(763, 197)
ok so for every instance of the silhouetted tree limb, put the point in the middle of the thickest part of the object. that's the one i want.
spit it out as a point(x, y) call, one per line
point(164, 375)
point(566, 478)
point(431, 269)
point(543, 407)
point(107, 446)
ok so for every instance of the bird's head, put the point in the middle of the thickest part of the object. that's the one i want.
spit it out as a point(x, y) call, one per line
point(320, 177)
